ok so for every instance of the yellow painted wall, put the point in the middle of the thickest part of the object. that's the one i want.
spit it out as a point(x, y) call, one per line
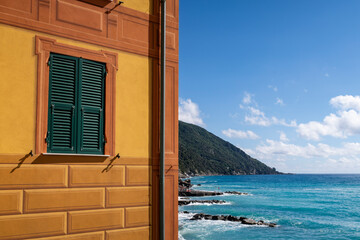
point(18, 67)
point(17, 90)
point(145, 6)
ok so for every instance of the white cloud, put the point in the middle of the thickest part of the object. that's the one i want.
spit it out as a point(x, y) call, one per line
point(319, 158)
point(231, 133)
point(346, 102)
point(326, 75)
point(189, 112)
point(247, 98)
point(257, 117)
point(283, 137)
point(342, 124)
point(275, 89)
point(279, 101)
point(280, 150)
point(256, 112)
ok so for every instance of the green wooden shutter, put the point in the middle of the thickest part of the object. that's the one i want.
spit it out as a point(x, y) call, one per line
point(63, 76)
point(91, 112)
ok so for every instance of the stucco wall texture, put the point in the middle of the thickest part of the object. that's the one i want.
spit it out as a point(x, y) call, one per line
point(18, 63)
point(65, 198)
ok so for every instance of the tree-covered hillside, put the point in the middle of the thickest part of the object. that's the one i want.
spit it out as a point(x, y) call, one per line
point(203, 153)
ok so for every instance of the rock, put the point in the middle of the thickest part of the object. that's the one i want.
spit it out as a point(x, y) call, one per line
point(186, 212)
point(183, 175)
point(232, 218)
point(248, 221)
point(198, 216)
point(183, 202)
point(185, 190)
point(197, 193)
point(272, 225)
point(185, 183)
point(261, 222)
point(236, 193)
point(243, 220)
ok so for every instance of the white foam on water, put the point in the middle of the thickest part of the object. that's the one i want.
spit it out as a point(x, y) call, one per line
point(183, 198)
point(208, 204)
point(180, 237)
point(231, 194)
point(197, 197)
point(204, 228)
point(185, 216)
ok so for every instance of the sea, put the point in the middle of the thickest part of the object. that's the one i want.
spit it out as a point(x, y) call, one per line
point(304, 206)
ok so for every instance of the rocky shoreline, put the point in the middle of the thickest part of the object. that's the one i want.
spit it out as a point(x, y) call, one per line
point(185, 190)
point(230, 218)
point(183, 202)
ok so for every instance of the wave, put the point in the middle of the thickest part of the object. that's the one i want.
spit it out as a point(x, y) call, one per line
point(185, 219)
point(208, 204)
point(203, 228)
point(231, 194)
point(183, 198)
point(180, 237)
point(183, 216)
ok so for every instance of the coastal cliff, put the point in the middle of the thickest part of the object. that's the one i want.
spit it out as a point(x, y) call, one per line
point(203, 153)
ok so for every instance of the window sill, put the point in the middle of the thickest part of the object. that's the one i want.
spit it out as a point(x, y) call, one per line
point(75, 155)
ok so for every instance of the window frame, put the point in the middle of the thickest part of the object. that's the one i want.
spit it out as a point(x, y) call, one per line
point(43, 47)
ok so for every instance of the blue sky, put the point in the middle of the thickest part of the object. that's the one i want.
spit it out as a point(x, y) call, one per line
point(280, 79)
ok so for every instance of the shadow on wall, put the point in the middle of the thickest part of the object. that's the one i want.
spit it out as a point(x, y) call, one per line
point(21, 160)
point(46, 159)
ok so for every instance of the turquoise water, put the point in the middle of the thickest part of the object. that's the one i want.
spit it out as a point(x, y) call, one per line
point(305, 206)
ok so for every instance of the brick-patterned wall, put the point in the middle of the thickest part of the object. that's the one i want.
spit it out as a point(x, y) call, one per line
point(75, 201)
point(47, 197)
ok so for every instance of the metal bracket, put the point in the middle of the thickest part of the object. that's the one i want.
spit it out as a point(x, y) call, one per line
point(118, 4)
point(47, 137)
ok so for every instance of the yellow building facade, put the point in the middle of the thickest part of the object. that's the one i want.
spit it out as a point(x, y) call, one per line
point(111, 193)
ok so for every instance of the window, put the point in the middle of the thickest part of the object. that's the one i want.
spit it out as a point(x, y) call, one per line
point(76, 105)
point(75, 110)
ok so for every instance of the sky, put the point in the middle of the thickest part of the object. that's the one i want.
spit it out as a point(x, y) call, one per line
point(279, 79)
